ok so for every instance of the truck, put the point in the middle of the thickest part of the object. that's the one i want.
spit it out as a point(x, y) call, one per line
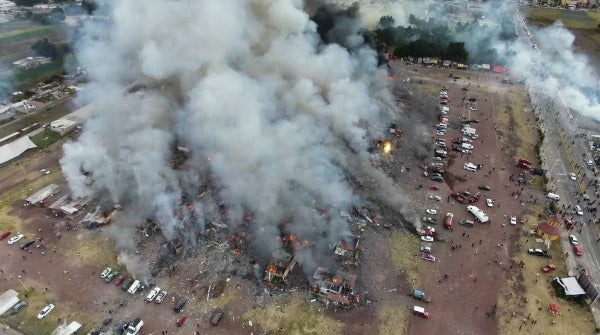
point(135, 326)
point(134, 287)
point(420, 295)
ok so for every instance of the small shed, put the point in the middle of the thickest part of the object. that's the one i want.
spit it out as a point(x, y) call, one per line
point(7, 300)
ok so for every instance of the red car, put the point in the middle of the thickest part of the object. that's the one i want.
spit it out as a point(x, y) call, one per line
point(448, 221)
point(428, 257)
point(458, 197)
point(434, 187)
point(4, 235)
point(578, 250)
point(120, 279)
point(181, 320)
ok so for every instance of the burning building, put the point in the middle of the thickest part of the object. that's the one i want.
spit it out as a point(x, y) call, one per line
point(68, 206)
point(346, 250)
point(98, 218)
point(278, 270)
point(335, 288)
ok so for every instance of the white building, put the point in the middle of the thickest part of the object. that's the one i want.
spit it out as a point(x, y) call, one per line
point(42, 194)
point(30, 62)
point(62, 126)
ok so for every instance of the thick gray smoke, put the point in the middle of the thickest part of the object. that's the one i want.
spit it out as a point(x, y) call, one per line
point(275, 119)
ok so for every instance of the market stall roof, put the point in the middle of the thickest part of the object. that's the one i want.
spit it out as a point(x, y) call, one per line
point(554, 308)
point(570, 285)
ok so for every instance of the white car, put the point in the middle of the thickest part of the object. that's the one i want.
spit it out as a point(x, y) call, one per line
point(440, 133)
point(45, 171)
point(105, 272)
point(426, 238)
point(590, 162)
point(489, 202)
point(435, 197)
point(572, 176)
point(431, 211)
point(513, 220)
point(578, 210)
point(15, 238)
point(429, 228)
point(44, 312)
point(573, 239)
point(160, 297)
point(150, 297)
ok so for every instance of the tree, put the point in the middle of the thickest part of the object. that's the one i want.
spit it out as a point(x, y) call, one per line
point(57, 15)
point(46, 49)
point(27, 3)
point(456, 51)
point(387, 21)
point(89, 6)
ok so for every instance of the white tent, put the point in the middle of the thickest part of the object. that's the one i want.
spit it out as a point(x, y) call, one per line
point(570, 285)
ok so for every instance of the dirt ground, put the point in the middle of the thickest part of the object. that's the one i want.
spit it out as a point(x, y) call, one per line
point(463, 302)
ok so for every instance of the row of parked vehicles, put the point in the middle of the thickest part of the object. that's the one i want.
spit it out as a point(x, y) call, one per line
point(134, 286)
point(16, 238)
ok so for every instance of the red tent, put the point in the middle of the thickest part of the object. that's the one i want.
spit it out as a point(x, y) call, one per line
point(554, 308)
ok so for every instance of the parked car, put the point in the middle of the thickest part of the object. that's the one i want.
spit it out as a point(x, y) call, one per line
point(435, 197)
point(119, 280)
point(538, 252)
point(484, 187)
point(19, 306)
point(178, 307)
point(489, 202)
point(572, 176)
point(44, 312)
point(4, 235)
point(578, 210)
point(428, 257)
point(427, 238)
point(467, 223)
point(45, 171)
point(160, 297)
point(573, 239)
point(152, 294)
point(420, 311)
point(216, 317)
point(425, 249)
point(181, 320)
point(513, 220)
point(448, 220)
point(434, 187)
point(15, 238)
point(578, 250)
point(431, 211)
point(429, 228)
point(548, 268)
point(427, 219)
point(111, 276)
point(105, 273)
point(27, 244)
point(127, 284)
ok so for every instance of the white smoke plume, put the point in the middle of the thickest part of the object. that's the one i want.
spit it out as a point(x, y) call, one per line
point(273, 116)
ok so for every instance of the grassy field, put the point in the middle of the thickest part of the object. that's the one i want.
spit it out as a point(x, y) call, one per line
point(294, 316)
point(529, 294)
point(401, 245)
point(570, 18)
point(45, 138)
point(16, 35)
point(394, 320)
point(25, 77)
point(88, 248)
point(26, 321)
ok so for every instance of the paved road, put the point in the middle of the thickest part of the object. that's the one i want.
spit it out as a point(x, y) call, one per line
point(563, 152)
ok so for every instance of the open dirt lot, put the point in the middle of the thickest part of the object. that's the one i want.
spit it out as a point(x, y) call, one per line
point(475, 270)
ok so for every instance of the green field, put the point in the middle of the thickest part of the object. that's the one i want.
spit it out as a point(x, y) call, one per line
point(16, 35)
point(573, 19)
point(45, 138)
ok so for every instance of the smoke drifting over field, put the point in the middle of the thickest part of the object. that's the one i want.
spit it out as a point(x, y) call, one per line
point(274, 118)
point(490, 35)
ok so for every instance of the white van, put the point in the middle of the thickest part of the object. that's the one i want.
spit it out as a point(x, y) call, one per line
point(470, 167)
point(553, 196)
point(133, 288)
